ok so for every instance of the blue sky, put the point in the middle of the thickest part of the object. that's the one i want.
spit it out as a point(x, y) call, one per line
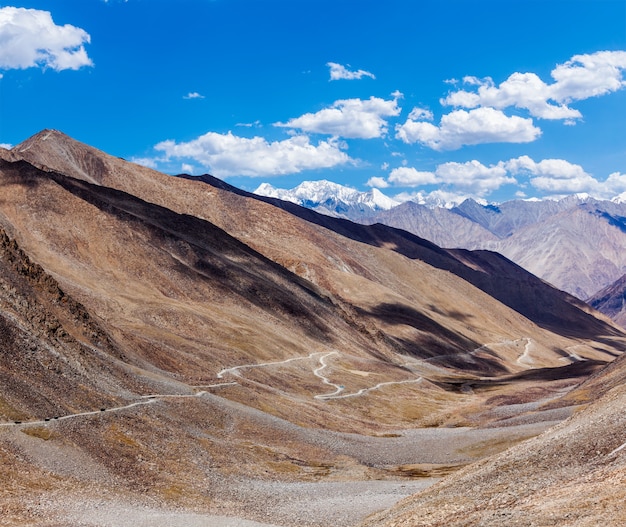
point(442, 99)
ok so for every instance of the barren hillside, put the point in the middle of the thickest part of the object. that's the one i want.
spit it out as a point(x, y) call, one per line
point(574, 474)
point(611, 301)
point(177, 342)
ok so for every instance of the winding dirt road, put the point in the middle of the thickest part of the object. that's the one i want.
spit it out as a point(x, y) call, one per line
point(145, 399)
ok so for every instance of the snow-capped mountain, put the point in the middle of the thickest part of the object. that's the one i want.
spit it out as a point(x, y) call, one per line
point(621, 198)
point(331, 198)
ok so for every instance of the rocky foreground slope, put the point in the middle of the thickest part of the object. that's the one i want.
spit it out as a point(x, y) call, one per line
point(574, 474)
point(177, 342)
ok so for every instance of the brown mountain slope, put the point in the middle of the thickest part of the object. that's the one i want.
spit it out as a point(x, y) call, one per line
point(577, 244)
point(233, 340)
point(280, 237)
point(238, 213)
point(574, 474)
point(439, 225)
point(611, 301)
point(490, 272)
point(49, 364)
point(578, 250)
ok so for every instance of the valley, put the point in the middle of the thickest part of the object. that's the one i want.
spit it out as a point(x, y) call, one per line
point(176, 351)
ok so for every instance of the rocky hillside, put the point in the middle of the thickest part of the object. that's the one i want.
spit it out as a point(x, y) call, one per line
point(176, 341)
point(571, 475)
point(576, 243)
point(612, 301)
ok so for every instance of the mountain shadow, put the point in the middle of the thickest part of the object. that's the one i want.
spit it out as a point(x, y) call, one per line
point(490, 272)
point(435, 342)
point(204, 251)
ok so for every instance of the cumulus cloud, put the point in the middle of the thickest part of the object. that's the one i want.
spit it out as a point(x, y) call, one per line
point(521, 90)
point(377, 182)
point(30, 38)
point(461, 127)
point(186, 168)
point(581, 77)
point(339, 72)
point(193, 95)
point(227, 155)
point(348, 118)
point(558, 176)
point(411, 177)
point(585, 76)
point(148, 162)
point(421, 114)
point(552, 177)
point(472, 177)
point(615, 184)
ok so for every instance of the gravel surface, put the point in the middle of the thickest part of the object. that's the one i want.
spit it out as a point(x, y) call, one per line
point(119, 514)
point(420, 445)
point(340, 504)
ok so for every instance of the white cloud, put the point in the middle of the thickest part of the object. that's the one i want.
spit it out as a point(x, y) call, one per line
point(339, 72)
point(557, 176)
point(585, 76)
point(146, 162)
point(556, 185)
point(411, 177)
point(349, 118)
point(474, 176)
point(615, 184)
point(521, 90)
point(377, 182)
point(193, 95)
point(421, 113)
point(558, 168)
point(439, 197)
point(30, 38)
point(6, 146)
point(186, 168)
point(471, 176)
point(480, 118)
point(581, 77)
point(460, 127)
point(230, 155)
point(255, 124)
point(552, 177)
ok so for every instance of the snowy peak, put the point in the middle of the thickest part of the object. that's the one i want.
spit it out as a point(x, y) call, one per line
point(331, 198)
point(620, 199)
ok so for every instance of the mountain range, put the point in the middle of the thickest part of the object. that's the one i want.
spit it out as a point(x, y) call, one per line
point(331, 199)
point(178, 351)
point(577, 243)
